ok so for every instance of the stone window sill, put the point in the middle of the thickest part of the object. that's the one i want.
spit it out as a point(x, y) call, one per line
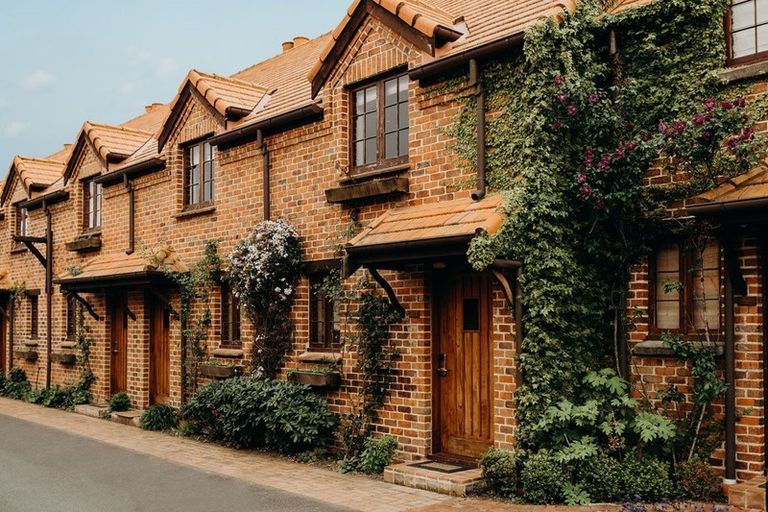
point(320, 357)
point(236, 353)
point(30, 343)
point(656, 348)
point(194, 212)
point(19, 249)
point(744, 72)
point(85, 242)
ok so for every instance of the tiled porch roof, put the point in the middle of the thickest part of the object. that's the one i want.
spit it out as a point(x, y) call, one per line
point(745, 187)
point(113, 266)
point(438, 221)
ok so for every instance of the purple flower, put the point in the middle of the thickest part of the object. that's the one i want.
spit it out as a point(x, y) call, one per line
point(562, 98)
point(592, 98)
point(605, 162)
point(630, 146)
point(586, 190)
point(582, 178)
point(646, 137)
point(699, 120)
point(618, 154)
point(748, 134)
point(726, 105)
point(680, 126)
point(599, 204)
point(559, 81)
point(663, 127)
point(556, 125)
point(589, 156)
point(740, 102)
point(572, 109)
point(733, 143)
point(710, 103)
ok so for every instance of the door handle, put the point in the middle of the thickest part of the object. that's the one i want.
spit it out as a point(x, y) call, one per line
point(442, 371)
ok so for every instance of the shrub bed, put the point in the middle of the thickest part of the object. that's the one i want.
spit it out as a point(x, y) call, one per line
point(159, 417)
point(247, 413)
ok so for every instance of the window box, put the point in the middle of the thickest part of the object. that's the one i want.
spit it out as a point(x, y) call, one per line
point(84, 243)
point(657, 348)
point(316, 379)
point(65, 358)
point(27, 355)
point(374, 188)
point(220, 371)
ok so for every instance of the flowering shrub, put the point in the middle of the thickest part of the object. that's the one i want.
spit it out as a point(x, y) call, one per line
point(263, 270)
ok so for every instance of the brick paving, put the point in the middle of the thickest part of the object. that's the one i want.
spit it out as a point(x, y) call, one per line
point(351, 491)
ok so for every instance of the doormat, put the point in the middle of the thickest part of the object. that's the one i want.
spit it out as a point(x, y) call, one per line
point(440, 467)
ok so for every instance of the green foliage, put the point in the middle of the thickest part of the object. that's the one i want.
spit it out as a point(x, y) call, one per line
point(159, 417)
point(252, 413)
point(696, 480)
point(119, 402)
point(58, 397)
point(600, 477)
point(263, 270)
point(500, 471)
point(646, 478)
point(543, 479)
point(377, 454)
point(16, 386)
point(194, 288)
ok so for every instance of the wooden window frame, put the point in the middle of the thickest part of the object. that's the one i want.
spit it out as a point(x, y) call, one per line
point(22, 221)
point(314, 279)
point(34, 316)
point(87, 196)
point(686, 331)
point(231, 318)
point(71, 319)
point(381, 161)
point(747, 59)
point(187, 163)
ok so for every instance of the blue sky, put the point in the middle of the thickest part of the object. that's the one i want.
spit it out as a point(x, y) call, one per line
point(64, 62)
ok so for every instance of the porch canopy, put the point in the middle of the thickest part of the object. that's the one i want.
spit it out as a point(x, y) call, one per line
point(122, 270)
point(742, 199)
point(430, 232)
point(5, 282)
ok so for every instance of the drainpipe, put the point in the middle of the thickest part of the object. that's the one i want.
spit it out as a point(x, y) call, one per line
point(730, 370)
point(11, 314)
point(131, 214)
point(48, 292)
point(265, 180)
point(518, 323)
point(474, 81)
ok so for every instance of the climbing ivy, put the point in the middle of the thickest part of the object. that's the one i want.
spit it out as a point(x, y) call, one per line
point(577, 131)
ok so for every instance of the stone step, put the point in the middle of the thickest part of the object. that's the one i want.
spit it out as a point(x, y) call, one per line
point(131, 417)
point(436, 477)
point(94, 411)
point(748, 495)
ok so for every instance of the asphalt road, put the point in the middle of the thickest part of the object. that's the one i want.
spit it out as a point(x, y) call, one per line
point(47, 470)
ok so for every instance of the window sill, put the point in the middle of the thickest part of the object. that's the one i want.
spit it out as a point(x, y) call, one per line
point(19, 249)
point(30, 343)
point(743, 71)
point(367, 189)
point(656, 348)
point(320, 357)
point(193, 212)
point(375, 173)
point(235, 353)
point(68, 344)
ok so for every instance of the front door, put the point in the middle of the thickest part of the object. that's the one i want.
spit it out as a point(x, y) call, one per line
point(119, 358)
point(159, 357)
point(3, 331)
point(463, 384)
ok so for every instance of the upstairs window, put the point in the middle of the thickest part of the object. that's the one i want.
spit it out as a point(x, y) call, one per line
point(33, 317)
point(92, 193)
point(230, 317)
point(199, 171)
point(380, 124)
point(324, 331)
point(747, 31)
point(685, 289)
point(22, 221)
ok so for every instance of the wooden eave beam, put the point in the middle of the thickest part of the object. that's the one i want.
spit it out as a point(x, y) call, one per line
point(87, 305)
point(388, 290)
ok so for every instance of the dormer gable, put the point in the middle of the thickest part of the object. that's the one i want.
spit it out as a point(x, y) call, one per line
point(33, 174)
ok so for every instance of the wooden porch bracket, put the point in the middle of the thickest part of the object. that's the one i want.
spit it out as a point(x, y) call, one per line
point(87, 305)
point(130, 313)
point(504, 282)
point(388, 290)
point(29, 242)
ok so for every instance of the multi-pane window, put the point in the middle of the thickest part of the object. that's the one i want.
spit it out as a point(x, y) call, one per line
point(33, 317)
point(747, 30)
point(92, 194)
point(380, 123)
point(22, 221)
point(199, 174)
point(71, 318)
point(230, 316)
point(324, 330)
point(686, 291)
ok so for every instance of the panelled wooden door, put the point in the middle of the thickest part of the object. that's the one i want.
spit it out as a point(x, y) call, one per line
point(119, 349)
point(159, 354)
point(3, 341)
point(463, 363)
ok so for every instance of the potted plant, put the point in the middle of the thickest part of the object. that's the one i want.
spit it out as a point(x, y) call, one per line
point(317, 377)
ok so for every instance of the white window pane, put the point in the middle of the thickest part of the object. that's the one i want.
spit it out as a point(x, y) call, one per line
point(667, 315)
point(710, 258)
point(762, 38)
point(743, 43)
point(709, 287)
point(706, 314)
point(668, 259)
point(762, 11)
point(743, 15)
point(667, 285)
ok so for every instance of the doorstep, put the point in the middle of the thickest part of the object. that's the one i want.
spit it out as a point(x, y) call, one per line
point(131, 417)
point(749, 495)
point(436, 477)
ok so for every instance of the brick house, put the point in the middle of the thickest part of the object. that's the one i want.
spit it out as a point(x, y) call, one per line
point(344, 129)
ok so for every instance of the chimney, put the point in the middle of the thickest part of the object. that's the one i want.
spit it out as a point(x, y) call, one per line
point(152, 107)
point(287, 45)
point(299, 40)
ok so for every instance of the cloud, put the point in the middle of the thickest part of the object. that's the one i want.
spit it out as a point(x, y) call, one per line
point(15, 128)
point(127, 87)
point(167, 68)
point(37, 80)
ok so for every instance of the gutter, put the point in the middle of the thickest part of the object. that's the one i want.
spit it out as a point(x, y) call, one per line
point(731, 206)
point(251, 131)
point(48, 199)
point(134, 170)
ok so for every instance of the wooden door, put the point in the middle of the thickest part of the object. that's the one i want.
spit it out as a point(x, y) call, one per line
point(463, 382)
point(119, 349)
point(3, 340)
point(159, 354)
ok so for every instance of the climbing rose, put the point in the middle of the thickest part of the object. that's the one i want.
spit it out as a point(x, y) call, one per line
point(599, 204)
point(680, 126)
point(589, 156)
point(559, 80)
point(630, 146)
point(726, 105)
point(586, 190)
point(699, 120)
point(557, 125)
point(710, 103)
point(562, 98)
point(572, 109)
point(663, 127)
point(740, 102)
point(748, 134)
point(582, 178)
point(592, 98)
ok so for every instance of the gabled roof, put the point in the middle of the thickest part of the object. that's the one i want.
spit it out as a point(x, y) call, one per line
point(449, 26)
point(231, 98)
point(34, 174)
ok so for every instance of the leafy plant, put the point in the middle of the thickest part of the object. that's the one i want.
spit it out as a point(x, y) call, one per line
point(543, 479)
point(697, 480)
point(377, 454)
point(646, 478)
point(159, 417)
point(250, 413)
point(16, 386)
point(119, 402)
point(600, 477)
point(500, 471)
